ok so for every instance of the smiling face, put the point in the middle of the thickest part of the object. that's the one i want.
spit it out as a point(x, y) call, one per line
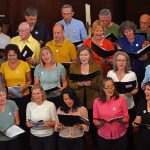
point(109, 88)
point(68, 101)
point(46, 56)
point(147, 92)
point(98, 33)
point(121, 62)
point(84, 57)
point(2, 98)
point(12, 56)
point(37, 96)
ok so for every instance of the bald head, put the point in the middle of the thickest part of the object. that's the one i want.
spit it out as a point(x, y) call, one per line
point(145, 23)
point(24, 30)
point(58, 32)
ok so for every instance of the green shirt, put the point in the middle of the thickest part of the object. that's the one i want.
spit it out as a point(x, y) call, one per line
point(7, 118)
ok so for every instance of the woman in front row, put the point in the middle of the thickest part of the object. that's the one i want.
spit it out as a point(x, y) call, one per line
point(110, 115)
point(71, 138)
point(41, 110)
point(143, 117)
point(9, 116)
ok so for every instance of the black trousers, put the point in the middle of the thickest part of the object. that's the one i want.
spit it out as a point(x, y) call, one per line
point(117, 144)
point(43, 143)
point(70, 144)
point(10, 145)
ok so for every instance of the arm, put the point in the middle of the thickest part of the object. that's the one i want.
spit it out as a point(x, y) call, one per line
point(36, 80)
point(137, 120)
point(16, 117)
point(28, 82)
point(64, 82)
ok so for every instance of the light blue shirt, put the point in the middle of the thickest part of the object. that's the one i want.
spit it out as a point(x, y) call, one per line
point(75, 30)
point(147, 74)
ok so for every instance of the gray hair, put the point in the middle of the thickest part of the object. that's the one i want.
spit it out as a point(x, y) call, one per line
point(67, 6)
point(31, 11)
point(105, 12)
point(127, 25)
point(128, 67)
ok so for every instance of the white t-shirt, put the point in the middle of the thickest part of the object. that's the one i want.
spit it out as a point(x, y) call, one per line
point(4, 40)
point(45, 112)
point(127, 78)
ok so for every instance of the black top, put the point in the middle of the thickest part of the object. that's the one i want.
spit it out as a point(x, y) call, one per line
point(40, 32)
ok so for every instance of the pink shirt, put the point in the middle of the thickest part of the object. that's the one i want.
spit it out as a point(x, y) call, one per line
point(107, 111)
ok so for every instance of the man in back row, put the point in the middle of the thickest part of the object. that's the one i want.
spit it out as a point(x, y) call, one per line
point(74, 29)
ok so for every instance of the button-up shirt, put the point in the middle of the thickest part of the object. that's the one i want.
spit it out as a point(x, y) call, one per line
point(108, 110)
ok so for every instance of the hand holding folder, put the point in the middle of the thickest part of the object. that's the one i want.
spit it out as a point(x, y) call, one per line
point(26, 53)
point(81, 77)
point(71, 120)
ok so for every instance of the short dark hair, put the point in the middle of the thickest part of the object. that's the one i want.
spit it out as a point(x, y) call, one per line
point(82, 48)
point(12, 47)
point(127, 25)
point(102, 94)
point(147, 83)
point(31, 11)
point(67, 6)
point(73, 96)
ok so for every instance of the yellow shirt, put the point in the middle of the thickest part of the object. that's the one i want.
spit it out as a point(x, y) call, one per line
point(32, 43)
point(64, 52)
point(17, 76)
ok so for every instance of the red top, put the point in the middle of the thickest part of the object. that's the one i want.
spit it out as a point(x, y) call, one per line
point(107, 45)
point(107, 111)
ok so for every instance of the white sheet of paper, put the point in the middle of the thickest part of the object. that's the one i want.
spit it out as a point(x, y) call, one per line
point(13, 131)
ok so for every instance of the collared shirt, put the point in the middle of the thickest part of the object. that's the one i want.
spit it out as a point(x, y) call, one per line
point(4, 40)
point(65, 52)
point(32, 43)
point(128, 47)
point(75, 30)
point(74, 132)
point(40, 32)
point(107, 111)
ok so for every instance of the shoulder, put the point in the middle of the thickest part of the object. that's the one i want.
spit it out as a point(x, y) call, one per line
point(115, 25)
point(49, 43)
point(110, 72)
point(38, 66)
point(131, 73)
point(148, 67)
point(82, 109)
point(10, 102)
point(49, 104)
point(14, 39)
point(4, 64)
point(77, 21)
point(87, 40)
point(5, 36)
point(24, 63)
point(32, 39)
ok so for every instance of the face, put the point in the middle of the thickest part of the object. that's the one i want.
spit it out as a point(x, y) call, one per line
point(24, 32)
point(2, 98)
point(144, 23)
point(46, 56)
point(69, 102)
point(121, 62)
point(58, 33)
point(105, 21)
point(31, 20)
point(12, 56)
point(129, 33)
point(84, 57)
point(67, 14)
point(109, 88)
point(147, 92)
point(98, 33)
point(37, 95)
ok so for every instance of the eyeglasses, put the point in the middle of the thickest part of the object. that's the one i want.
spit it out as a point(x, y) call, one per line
point(67, 14)
point(109, 87)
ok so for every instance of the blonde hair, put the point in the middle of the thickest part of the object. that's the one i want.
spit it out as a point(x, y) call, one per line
point(34, 87)
point(49, 50)
point(95, 25)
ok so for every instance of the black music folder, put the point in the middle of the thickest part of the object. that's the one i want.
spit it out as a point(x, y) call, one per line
point(140, 52)
point(70, 120)
point(77, 44)
point(102, 52)
point(111, 37)
point(26, 52)
point(81, 77)
point(52, 90)
point(125, 87)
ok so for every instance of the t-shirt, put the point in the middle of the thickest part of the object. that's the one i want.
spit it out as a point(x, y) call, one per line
point(44, 112)
point(7, 118)
point(17, 76)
